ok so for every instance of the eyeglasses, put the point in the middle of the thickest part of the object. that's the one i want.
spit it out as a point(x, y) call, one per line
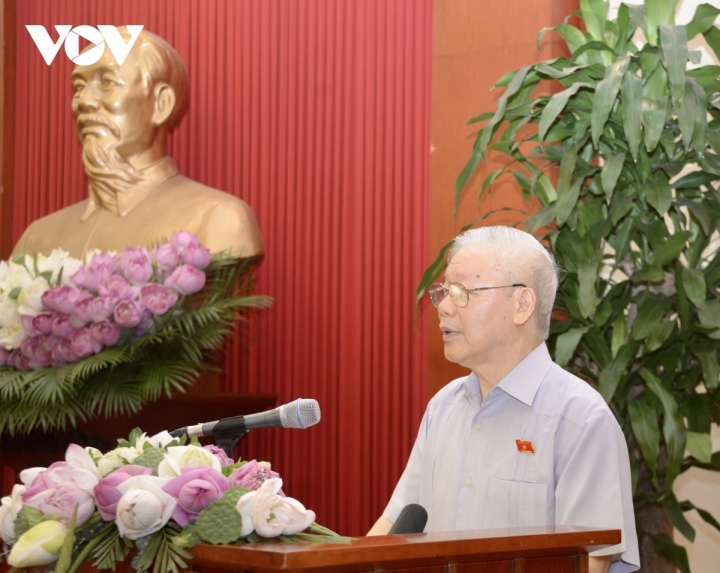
point(458, 292)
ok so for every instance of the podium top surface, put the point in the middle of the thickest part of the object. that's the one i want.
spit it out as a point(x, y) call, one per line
point(369, 553)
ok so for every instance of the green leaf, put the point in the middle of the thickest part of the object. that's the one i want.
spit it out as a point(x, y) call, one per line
point(612, 168)
point(566, 344)
point(671, 551)
point(710, 367)
point(555, 106)
point(709, 316)
point(606, 96)
point(702, 21)
point(693, 282)
point(659, 13)
point(656, 101)
point(631, 109)
point(649, 274)
point(675, 514)
point(573, 37)
point(651, 312)
point(65, 558)
point(673, 43)
point(700, 446)
point(594, 14)
point(619, 334)
point(616, 368)
point(670, 249)
point(673, 427)
point(644, 422)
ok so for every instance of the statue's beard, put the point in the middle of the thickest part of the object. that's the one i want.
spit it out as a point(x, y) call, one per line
point(108, 172)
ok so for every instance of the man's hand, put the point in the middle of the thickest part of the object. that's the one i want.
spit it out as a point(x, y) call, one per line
point(599, 564)
point(381, 527)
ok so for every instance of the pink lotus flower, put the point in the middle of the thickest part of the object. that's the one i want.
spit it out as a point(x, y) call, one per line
point(107, 494)
point(186, 280)
point(116, 288)
point(196, 255)
point(158, 298)
point(194, 489)
point(106, 333)
point(128, 314)
point(62, 327)
point(135, 263)
point(183, 239)
point(252, 475)
point(100, 308)
point(83, 344)
point(61, 299)
point(81, 314)
point(220, 454)
point(92, 275)
point(167, 257)
point(42, 323)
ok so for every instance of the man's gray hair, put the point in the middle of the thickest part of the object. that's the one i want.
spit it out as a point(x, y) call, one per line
point(515, 248)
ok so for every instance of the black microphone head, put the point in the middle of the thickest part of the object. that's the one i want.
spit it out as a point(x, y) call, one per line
point(301, 413)
point(412, 519)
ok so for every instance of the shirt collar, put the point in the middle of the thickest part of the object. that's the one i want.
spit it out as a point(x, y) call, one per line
point(522, 383)
point(153, 176)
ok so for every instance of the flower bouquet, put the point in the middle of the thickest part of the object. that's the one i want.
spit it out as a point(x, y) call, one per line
point(102, 336)
point(148, 500)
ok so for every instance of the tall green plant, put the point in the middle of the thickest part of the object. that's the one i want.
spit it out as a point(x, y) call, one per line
point(632, 215)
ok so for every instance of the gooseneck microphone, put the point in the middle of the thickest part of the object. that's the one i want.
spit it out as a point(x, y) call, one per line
point(412, 519)
point(300, 414)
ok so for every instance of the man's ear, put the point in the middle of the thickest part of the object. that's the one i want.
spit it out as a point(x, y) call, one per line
point(525, 306)
point(164, 103)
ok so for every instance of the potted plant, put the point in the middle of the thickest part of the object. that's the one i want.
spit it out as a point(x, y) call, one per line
point(622, 155)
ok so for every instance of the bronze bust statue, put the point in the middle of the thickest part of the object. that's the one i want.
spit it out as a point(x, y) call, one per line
point(125, 114)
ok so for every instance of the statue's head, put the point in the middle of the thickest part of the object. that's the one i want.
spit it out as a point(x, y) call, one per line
point(131, 107)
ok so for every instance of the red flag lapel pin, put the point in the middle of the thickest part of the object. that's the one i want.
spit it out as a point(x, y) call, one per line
point(525, 446)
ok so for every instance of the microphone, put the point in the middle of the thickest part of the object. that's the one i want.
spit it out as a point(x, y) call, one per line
point(412, 519)
point(301, 413)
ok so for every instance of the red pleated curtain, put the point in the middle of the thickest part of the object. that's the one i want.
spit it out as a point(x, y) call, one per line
point(317, 113)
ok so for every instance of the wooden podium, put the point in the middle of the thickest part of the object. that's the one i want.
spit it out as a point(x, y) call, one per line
point(556, 549)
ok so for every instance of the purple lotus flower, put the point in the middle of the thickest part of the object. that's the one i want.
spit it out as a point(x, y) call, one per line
point(136, 264)
point(61, 298)
point(81, 314)
point(194, 489)
point(196, 255)
point(251, 475)
point(4, 356)
point(128, 313)
point(106, 333)
point(146, 323)
point(186, 280)
point(183, 239)
point(100, 308)
point(92, 275)
point(42, 323)
point(116, 288)
point(107, 495)
point(158, 298)
point(62, 326)
point(167, 257)
point(220, 454)
point(83, 344)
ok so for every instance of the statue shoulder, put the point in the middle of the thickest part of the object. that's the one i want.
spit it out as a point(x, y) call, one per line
point(223, 221)
point(41, 235)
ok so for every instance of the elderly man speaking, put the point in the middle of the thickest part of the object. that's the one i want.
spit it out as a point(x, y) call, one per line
point(519, 441)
